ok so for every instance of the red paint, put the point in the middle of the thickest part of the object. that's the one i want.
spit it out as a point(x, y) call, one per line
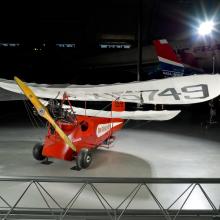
point(88, 132)
point(164, 50)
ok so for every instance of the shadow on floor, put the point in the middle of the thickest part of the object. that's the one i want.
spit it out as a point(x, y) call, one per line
point(181, 125)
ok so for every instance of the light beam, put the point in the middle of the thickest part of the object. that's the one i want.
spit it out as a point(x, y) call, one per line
point(206, 28)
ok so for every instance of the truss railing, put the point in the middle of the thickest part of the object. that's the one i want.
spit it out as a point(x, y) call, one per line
point(55, 208)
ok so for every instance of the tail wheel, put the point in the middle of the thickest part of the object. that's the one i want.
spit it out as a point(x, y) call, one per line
point(37, 151)
point(84, 158)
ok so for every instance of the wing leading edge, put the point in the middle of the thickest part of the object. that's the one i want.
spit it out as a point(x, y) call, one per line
point(173, 90)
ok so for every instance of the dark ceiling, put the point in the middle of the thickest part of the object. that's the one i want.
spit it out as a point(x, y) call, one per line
point(84, 20)
point(87, 23)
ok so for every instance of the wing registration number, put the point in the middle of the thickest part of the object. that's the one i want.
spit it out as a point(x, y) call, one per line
point(199, 91)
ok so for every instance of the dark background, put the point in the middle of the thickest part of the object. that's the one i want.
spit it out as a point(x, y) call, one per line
point(39, 26)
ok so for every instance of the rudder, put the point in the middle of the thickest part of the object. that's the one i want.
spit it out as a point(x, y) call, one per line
point(169, 62)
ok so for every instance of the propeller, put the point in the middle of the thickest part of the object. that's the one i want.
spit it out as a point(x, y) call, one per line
point(42, 111)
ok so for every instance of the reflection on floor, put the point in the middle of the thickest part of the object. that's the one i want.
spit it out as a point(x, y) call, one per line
point(175, 148)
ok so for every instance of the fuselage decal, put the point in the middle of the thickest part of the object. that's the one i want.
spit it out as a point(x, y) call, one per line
point(104, 128)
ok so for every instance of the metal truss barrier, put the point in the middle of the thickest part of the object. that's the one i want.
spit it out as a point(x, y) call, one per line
point(55, 209)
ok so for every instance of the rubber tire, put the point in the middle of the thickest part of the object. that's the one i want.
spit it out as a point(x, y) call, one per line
point(37, 152)
point(84, 158)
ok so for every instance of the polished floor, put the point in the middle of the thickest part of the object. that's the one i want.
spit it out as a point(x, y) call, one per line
point(176, 148)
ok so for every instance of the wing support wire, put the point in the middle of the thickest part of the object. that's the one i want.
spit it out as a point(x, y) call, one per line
point(42, 111)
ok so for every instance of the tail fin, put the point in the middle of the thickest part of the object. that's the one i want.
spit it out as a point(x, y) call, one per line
point(170, 64)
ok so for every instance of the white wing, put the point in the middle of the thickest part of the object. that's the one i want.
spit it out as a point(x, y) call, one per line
point(173, 90)
point(151, 115)
point(134, 115)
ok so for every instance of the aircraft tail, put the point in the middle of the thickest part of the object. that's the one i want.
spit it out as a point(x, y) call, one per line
point(173, 65)
point(169, 62)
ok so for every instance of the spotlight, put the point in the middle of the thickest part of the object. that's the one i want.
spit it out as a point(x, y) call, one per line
point(206, 28)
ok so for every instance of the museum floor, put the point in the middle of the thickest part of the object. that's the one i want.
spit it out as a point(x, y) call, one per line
point(178, 149)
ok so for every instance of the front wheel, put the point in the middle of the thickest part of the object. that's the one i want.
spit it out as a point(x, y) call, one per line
point(84, 158)
point(37, 151)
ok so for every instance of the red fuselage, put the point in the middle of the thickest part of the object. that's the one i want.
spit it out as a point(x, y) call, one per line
point(86, 132)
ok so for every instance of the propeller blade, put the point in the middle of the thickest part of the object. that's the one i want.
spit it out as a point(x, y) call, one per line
point(42, 111)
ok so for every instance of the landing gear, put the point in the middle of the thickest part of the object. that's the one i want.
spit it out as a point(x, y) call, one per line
point(108, 142)
point(37, 152)
point(84, 159)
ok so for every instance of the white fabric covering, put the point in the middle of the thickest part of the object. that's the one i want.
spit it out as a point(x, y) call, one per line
point(173, 90)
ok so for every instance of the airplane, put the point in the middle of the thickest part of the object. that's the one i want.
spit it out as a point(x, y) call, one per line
point(202, 50)
point(169, 62)
point(73, 133)
point(173, 64)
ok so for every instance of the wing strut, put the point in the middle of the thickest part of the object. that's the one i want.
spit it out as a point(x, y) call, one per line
point(42, 111)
